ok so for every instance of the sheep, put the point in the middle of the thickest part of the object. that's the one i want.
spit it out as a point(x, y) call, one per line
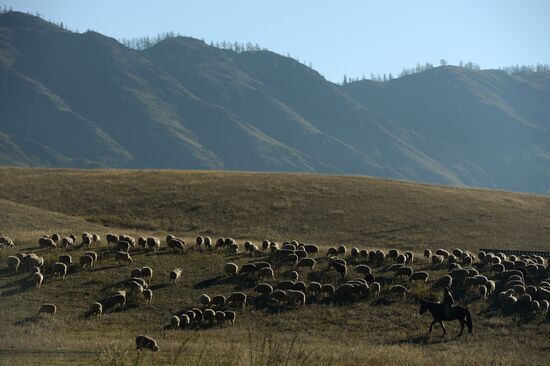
point(301, 254)
point(263, 288)
point(184, 320)
point(96, 309)
point(47, 309)
point(145, 342)
point(136, 288)
point(7, 241)
point(237, 299)
point(136, 272)
point(218, 301)
point(93, 255)
point(199, 240)
point(437, 260)
point(148, 296)
point(306, 262)
point(442, 252)
point(220, 317)
point(296, 297)
point(174, 322)
point(118, 299)
point(375, 288)
point(393, 254)
point(497, 268)
point(31, 260)
point(208, 315)
point(266, 272)
point(111, 238)
point(342, 269)
point(67, 242)
point(45, 243)
point(13, 263)
point(404, 271)
point(37, 279)
point(86, 241)
point(509, 301)
point(311, 249)
point(535, 306)
point(265, 245)
point(344, 292)
point(398, 290)
point(96, 239)
point(147, 273)
point(299, 286)
point(327, 289)
point(153, 243)
point(66, 258)
point(409, 257)
point(35, 270)
point(483, 291)
point(175, 275)
point(284, 285)
point(176, 244)
point(341, 250)
point(427, 254)
point(204, 300)
point(86, 261)
point(247, 269)
point(122, 256)
point(419, 276)
point(230, 316)
point(332, 252)
point(279, 295)
point(60, 269)
point(544, 306)
point(230, 269)
point(314, 288)
point(123, 246)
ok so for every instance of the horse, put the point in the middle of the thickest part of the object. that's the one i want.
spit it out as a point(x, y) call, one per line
point(459, 313)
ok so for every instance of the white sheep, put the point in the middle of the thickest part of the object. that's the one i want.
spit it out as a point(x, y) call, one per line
point(419, 276)
point(306, 262)
point(59, 269)
point(37, 279)
point(237, 299)
point(174, 322)
point(13, 263)
point(96, 309)
point(204, 300)
point(145, 342)
point(398, 290)
point(230, 316)
point(231, 269)
point(122, 256)
point(47, 309)
point(175, 275)
point(296, 297)
point(266, 272)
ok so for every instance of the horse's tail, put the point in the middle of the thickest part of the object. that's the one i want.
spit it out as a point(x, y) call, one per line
point(469, 323)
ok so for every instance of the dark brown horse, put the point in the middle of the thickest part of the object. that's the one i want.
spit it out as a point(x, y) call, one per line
point(459, 313)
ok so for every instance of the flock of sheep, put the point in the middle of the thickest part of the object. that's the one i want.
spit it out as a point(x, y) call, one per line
point(342, 275)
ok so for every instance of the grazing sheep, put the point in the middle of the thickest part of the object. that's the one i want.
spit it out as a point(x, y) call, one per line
point(279, 295)
point(442, 252)
point(47, 309)
point(136, 272)
point(327, 289)
point(404, 271)
point(37, 279)
point(544, 306)
point(483, 291)
point(401, 259)
point(266, 272)
point(67, 242)
point(535, 306)
point(509, 301)
point(237, 299)
point(86, 241)
point(59, 269)
point(296, 297)
point(393, 254)
point(332, 252)
point(301, 254)
point(96, 239)
point(199, 240)
point(148, 296)
point(184, 320)
point(176, 244)
point(230, 269)
point(306, 262)
point(220, 317)
point(66, 258)
point(230, 316)
point(111, 238)
point(208, 316)
point(340, 268)
point(175, 275)
point(96, 309)
point(293, 276)
point(284, 285)
point(204, 300)
point(13, 263)
point(263, 288)
point(218, 301)
point(497, 267)
point(174, 322)
point(93, 255)
point(145, 342)
point(46, 242)
point(136, 288)
point(31, 261)
point(437, 260)
point(341, 250)
point(118, 299)
point(247, 269)
point(419, 276)
point(375, 288)
point(123, 246)
point(314, 288)
point(311, 249)
point(153, 243)
point(344, 292)
point(427, 254)
point(142, 243)
point(147, 273)
point(299, 286)
point(122, 256)
point(398, 290)
point(409, 257)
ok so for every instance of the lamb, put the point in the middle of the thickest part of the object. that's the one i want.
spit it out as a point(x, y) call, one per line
point(175, 275)
point(375, 288)
point(59, 269)
point(419, 276)
point(266, 272)
point(306, 262)
point(122, 256)
point(296, 297)
point(230, 316)
point(37, 279)
point(47, 309)
point(398, 290)
point(147, 273)
point(96, 309)
point(148, 296)
point(13, 263)
point(145, 342)
point(218, 301)
point(237, 299)
point(174, 322)
point(66, 258)
point(231, 269)
point(204, 300)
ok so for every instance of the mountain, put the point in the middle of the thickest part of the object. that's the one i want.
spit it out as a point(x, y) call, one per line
point(85, 100)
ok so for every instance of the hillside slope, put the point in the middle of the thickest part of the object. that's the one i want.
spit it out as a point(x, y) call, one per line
point(182, 104)
point(324, 209)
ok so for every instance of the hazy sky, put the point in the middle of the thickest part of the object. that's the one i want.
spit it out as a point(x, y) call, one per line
point(337, 37)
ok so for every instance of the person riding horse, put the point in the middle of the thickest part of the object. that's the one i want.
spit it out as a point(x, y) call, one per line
point(448, 301)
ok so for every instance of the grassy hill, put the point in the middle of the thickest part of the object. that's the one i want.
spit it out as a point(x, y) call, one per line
point(182, 104)
point(328, 210)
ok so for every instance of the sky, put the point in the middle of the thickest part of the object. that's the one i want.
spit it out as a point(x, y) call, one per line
point(354, 37)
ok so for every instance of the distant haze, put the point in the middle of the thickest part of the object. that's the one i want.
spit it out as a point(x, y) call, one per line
point(337, 38)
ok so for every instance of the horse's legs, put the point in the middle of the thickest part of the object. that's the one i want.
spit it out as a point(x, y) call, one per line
point(431, 325)
point(442, 326)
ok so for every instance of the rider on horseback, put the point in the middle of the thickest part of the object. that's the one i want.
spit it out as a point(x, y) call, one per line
point(448, 301)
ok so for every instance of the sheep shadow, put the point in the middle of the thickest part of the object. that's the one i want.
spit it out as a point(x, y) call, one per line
point(24, 285)
point(219, 280)
point(106, 268)
point(157, 286)
point(26, 320)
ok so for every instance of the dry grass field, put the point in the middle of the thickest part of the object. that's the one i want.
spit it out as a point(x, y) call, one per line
point(326, 210)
